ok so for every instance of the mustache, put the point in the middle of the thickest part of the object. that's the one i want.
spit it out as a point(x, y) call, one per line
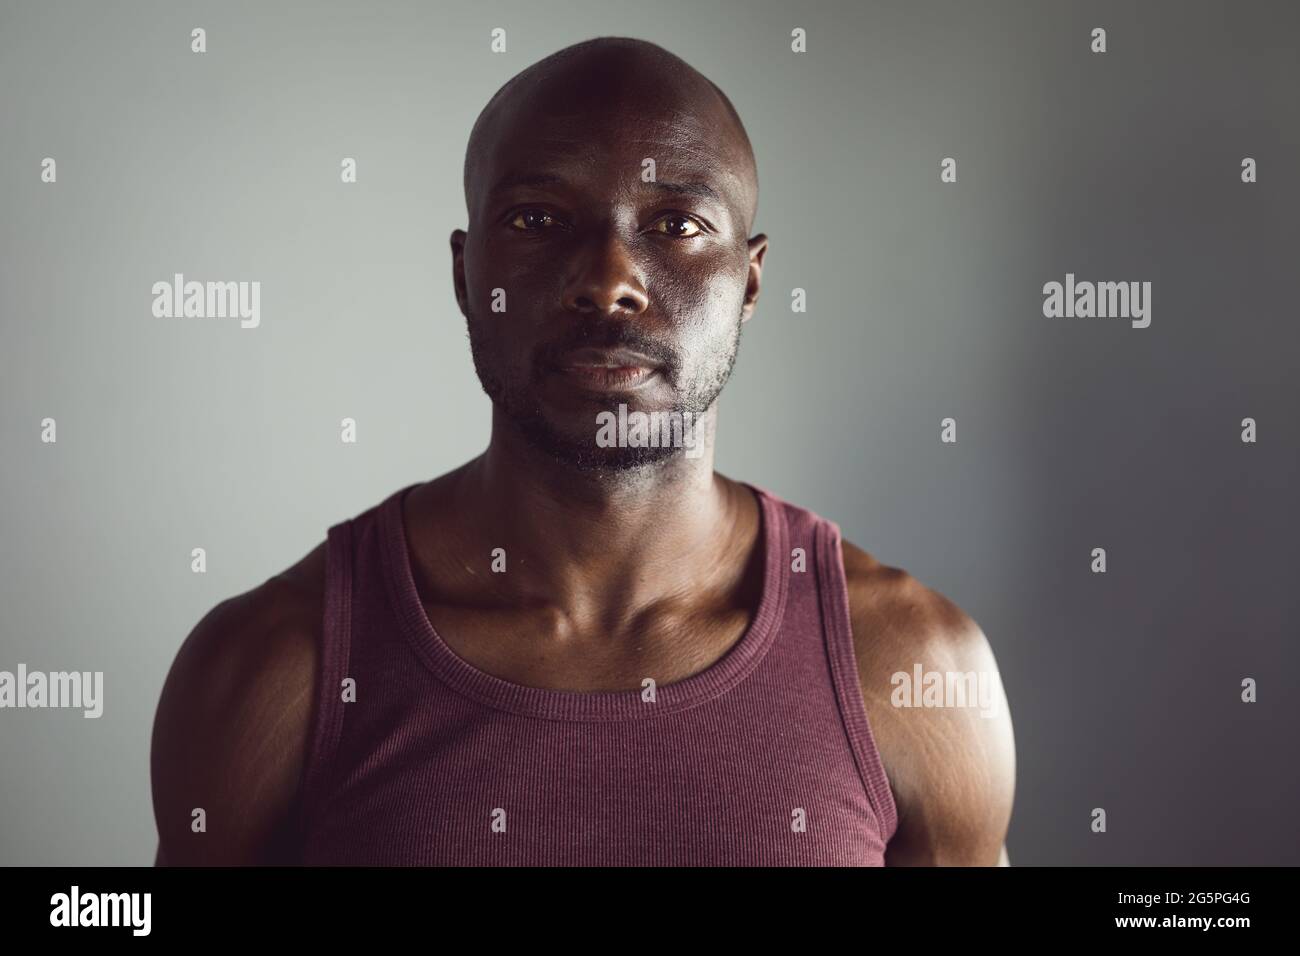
point(607, 335)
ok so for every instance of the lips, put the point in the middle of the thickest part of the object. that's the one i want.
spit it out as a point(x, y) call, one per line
point(606, 369)
point(606, 358)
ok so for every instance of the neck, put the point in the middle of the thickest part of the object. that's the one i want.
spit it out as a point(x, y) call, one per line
point(598, 545)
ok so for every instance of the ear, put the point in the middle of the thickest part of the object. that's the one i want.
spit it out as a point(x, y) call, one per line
point(757, 251)
point(458, 237)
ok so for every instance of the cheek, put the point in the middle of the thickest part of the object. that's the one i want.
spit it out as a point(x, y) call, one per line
point(507, 279)
point(727, 294)
point(707, 303)
point(703, 296)
point(706, 309)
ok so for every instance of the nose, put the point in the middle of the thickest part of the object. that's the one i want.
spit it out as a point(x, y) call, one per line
point(604, 279)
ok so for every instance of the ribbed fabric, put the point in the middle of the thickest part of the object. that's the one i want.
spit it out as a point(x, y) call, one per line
point(764, 758)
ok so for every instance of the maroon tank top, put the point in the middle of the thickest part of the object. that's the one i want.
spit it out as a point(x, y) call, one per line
point(764, 758)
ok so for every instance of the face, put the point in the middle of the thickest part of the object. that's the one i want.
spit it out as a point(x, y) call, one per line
point(589, 255)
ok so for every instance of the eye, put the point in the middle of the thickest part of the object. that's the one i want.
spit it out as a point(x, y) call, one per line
point(677, 222)
point(534, 220)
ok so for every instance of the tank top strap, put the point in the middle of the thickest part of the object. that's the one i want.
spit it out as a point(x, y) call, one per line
point(832, 586)
point(326, 726)
point(815, 545)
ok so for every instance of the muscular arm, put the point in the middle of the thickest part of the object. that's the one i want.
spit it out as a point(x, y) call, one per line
point(951, 769)
point(231, 727)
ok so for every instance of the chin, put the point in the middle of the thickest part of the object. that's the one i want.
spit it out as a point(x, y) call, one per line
point(586, 456)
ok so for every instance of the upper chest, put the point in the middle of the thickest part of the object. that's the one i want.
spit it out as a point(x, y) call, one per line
point(538, 649)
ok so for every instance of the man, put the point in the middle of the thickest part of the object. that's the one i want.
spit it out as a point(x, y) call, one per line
point(584, 647)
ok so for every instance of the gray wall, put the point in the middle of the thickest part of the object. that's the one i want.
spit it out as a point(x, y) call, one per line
point(925, 301)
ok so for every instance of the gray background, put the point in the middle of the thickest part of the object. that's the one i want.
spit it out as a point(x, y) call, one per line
point(924, 301)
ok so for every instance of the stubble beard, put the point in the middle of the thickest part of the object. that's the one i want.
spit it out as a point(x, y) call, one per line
point(517, 405)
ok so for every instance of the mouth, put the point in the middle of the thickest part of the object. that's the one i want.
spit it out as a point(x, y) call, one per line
point(615, 369)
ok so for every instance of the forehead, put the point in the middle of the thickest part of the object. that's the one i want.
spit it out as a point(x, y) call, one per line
point(601, 145)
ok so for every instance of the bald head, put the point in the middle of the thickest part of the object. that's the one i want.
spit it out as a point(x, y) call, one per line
point(604, 87)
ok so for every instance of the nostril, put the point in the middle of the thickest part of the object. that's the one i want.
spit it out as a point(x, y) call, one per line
point(624, 303)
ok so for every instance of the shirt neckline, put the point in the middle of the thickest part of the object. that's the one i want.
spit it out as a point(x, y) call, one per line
point(470, 681)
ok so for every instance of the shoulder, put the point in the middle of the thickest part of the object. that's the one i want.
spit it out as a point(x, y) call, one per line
point(896, 617)
point(232, 724)
point(947, 744)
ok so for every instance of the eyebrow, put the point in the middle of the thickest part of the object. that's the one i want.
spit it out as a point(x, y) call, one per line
point(702, 190)
point(527, 179)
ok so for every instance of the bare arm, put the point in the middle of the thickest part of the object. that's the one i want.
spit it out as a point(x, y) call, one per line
point(955, 795)
point(230, 731)
point(951, 768)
